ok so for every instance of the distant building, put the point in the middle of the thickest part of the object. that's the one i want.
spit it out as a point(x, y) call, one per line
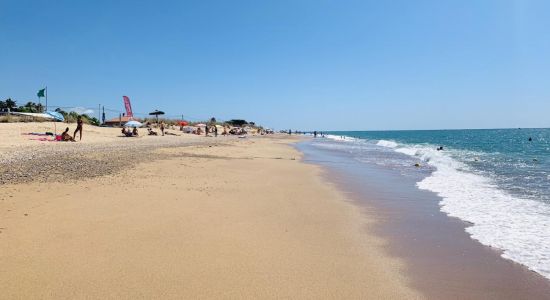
point(119, 121)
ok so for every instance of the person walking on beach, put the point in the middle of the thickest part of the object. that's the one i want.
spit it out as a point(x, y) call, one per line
point(79, 123)
point(162, 128)
point(206, 130)
point(215, 131)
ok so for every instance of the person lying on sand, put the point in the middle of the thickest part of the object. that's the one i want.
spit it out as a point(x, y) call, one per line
point(66, 137)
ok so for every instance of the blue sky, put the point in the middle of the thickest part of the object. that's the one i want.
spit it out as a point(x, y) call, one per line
point(341, 65)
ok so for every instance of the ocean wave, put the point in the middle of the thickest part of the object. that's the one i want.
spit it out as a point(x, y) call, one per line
point(340, 138)
point(518, 227)
point(388, 144)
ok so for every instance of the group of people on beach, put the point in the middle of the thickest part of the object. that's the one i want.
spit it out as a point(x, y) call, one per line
point(211, 130)
point(130, 133)
point(66, 137)
point(127, 132)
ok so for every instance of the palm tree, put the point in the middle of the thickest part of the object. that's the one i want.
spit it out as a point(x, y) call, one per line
point(10, 103)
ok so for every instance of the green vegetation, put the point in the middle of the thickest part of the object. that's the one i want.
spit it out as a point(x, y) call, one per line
point(71, 117)
point(30, 107)
point(237, 122)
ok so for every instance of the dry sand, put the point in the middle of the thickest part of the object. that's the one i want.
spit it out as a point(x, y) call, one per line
point(232, 218)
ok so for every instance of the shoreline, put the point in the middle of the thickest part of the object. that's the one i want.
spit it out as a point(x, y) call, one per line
point(442, 260)
point(243, 218)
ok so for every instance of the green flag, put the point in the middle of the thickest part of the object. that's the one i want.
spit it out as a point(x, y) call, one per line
point(40, 93)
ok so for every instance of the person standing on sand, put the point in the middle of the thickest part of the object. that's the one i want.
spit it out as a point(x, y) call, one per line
point(206, 130)
point(215, 131)
point(79, 123)
point(162, 128)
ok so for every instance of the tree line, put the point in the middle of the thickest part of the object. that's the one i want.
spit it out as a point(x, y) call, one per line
point(31, 107)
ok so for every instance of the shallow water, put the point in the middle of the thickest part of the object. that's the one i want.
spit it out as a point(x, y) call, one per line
point(497, 180)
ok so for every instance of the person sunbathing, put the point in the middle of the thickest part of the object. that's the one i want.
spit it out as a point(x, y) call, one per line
point(66, 137)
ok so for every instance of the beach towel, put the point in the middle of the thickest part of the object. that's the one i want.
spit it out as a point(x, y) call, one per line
point(38, 133)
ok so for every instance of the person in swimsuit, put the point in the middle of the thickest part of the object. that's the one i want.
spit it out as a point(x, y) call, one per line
point(79, 123)
point(66, 137)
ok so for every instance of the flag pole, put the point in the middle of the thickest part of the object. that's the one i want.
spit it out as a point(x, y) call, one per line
point(46, 98)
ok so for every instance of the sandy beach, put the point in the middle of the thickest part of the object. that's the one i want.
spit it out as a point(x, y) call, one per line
point(182, 217)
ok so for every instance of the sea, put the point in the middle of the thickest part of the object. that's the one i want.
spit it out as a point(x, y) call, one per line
point(495, 180)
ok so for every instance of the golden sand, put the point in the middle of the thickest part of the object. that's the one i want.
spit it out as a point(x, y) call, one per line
point(240, 218)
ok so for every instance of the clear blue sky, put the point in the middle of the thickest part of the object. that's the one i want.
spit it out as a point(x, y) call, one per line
point(355, 65)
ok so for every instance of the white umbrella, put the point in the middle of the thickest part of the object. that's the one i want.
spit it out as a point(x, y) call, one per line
point(133, 124)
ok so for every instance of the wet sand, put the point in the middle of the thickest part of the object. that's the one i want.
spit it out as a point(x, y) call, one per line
point(441, 259)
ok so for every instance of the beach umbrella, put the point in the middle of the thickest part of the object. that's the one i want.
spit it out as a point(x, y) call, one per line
point(133, 124)
point(56, 115)
point(156, 113)
point(201, 125)
point(184, 123)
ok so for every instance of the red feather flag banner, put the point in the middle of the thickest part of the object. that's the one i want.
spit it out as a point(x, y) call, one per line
point(128, 106)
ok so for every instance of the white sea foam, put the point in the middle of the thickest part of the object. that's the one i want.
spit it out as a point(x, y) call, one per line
point(518, 227)
point(389, 144)
point(340, 138)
